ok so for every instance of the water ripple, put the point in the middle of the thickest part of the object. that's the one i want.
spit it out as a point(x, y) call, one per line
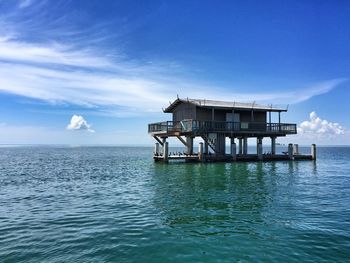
point(110, 204)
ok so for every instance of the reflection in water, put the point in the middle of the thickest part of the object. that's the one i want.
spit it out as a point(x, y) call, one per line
point(220, 198)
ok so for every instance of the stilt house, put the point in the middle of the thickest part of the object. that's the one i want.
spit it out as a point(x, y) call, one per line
point(213, 121)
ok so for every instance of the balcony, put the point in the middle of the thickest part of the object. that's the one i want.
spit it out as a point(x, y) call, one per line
point(201, 127)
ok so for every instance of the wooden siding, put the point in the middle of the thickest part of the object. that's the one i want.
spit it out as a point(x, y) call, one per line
point(246, 116)
point(205, 114)
point(184, 111)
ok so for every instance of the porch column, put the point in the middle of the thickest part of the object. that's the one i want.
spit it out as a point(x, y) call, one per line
point(245, 145)
point(233, 149)
point(240, 149)
point(273, 145)
point(189, 142)
point(259, 149)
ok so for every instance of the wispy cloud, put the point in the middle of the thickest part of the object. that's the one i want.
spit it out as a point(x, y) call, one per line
point(60, 74)
point(25, 3)
point(62, 71)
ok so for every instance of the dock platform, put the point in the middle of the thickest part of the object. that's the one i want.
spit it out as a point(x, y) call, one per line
point(229, 158)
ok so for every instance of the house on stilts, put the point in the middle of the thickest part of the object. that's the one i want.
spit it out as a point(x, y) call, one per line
point(213, 121)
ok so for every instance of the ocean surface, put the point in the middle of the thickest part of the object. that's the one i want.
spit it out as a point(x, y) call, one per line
point(114, 204)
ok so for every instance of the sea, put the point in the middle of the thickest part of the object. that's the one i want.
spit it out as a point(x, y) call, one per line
point(114, 204)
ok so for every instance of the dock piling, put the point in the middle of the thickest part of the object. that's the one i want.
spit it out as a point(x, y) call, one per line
point(313, 151)
point(233, 149)
point(259, 148)
point(290, 151)
point(295, 149)
point(245, 145)
point(189, 142)
point(273, 145)
point(165, 151)
point(240, 148)
point(206, 147)
point(156, 149)
point(200, 151)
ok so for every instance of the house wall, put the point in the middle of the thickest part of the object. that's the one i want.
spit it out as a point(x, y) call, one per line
point(259, 116)
point(189, 111)
point(205, 114)
point(220, 115)
point(184, 111)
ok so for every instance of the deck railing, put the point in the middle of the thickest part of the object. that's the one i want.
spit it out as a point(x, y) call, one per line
point(221, 126)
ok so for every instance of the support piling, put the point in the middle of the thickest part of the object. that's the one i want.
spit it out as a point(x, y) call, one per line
point(165, 152)
point(233, 149)
point(259, 148)
point(200, 151)
point(313, 151)
point(245, 145)
point(290, 151)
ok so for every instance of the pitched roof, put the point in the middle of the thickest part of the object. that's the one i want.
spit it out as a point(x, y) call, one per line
point(223, 105)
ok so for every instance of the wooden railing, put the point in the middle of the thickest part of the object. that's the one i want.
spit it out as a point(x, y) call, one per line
point(221, 126)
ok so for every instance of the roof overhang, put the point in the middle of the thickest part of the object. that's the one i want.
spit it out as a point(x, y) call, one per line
point(223, 105)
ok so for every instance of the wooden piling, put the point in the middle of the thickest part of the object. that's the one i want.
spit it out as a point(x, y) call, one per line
point(163, 143)
point(313, 151)
point(156, 149)
point(245, 145)
point(295, 149)
point(189, 142)
point(200, 151)
point(206, 147)
point(273, 145)
point(165, 151)
point(290, 151)
point(259, 148)
point(233, 150)
point(240, 148)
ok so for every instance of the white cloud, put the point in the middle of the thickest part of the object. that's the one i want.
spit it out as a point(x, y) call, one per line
point(319, 127)
point(77, 122)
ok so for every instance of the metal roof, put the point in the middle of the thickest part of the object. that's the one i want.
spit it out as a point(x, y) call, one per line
point(223, 105)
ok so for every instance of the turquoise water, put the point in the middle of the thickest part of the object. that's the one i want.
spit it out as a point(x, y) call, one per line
point(113, 204)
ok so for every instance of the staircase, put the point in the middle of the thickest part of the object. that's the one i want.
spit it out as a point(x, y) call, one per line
point(211, 142)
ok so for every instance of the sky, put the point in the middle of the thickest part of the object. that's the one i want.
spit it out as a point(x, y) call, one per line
point(97, 72)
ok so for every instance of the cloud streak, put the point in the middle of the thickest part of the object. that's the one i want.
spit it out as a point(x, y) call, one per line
point(25, 3)
point(60, 74)
point(65, 72)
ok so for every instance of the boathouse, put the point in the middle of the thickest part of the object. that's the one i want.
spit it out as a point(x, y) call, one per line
point(214, 121)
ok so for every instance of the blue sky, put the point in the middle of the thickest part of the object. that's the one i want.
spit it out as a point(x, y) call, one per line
point(117, 63)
